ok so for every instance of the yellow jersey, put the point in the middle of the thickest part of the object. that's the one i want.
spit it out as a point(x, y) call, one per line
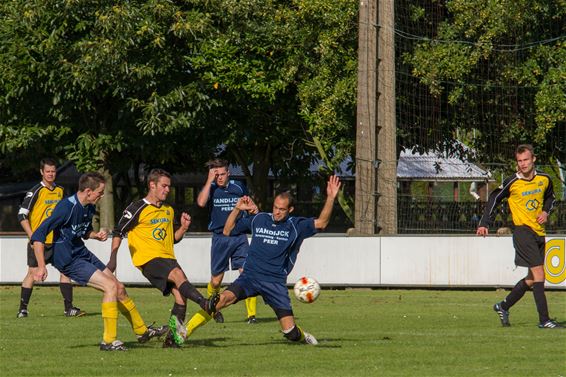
point(38, 204)
point(149, 230)
point(526, 198)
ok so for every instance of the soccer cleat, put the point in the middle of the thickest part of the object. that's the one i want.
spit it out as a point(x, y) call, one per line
point(178, 330)
point(114, 346)
point(74, 312)
point(503, 314)
point(209, 305)
point(218, 317)
point(152, 332)
point(310, 339)
point(550, 324)
point(169, 342)
point(23, 313)
point(252, 320)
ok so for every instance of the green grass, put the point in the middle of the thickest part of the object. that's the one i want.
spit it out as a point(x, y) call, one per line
point(361, 332)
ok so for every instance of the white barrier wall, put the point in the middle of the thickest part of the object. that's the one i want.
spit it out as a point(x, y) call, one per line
point(337, 260)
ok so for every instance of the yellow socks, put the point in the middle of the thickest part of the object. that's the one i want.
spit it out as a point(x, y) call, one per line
point(129, 310)
point(110, 318)
point(199, 319)
point(210, 290)
point(251, 306)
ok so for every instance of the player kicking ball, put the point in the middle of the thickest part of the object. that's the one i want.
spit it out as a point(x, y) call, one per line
point(276, 238)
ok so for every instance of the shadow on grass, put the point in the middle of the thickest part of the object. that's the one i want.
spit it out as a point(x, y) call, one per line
point(258, 319)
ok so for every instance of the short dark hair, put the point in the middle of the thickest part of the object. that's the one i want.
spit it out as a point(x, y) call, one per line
point(286, 194)
point(155, 174)
point(47, 161)
point(90, 180)
point(217, 163)
point(523, 148)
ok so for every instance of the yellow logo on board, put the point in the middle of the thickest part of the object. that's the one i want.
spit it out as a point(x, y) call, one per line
point(555, 260)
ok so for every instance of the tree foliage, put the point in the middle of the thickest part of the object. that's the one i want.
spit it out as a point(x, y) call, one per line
point(173, 83)
point(500, 68)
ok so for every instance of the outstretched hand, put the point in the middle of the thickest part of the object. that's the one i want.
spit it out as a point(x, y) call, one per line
point(245, 203)
point(333, 186)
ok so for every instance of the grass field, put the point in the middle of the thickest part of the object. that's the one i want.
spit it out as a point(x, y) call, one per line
point(362, 332)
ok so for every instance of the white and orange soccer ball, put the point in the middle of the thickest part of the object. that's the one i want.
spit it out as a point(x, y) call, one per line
point(306, 289)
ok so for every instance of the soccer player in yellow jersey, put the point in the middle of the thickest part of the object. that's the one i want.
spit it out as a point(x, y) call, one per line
point(531, 198)
point(148, 223)
point(38, 205)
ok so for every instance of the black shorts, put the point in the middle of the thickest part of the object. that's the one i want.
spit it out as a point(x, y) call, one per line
point(157, 271)
point(529, 247)
point(48, 253)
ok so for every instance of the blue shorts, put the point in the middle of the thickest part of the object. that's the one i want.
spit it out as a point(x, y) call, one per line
point(82, 267)
point(225, 248)
point(274, 294)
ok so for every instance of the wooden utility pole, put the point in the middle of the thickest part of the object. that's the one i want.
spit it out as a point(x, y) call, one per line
point(376, 157)
point(387, 125)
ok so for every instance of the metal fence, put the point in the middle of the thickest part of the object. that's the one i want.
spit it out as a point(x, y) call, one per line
point(446, 217)
point(413, 216)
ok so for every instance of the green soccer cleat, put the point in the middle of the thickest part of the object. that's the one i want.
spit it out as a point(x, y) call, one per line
point(178, 330)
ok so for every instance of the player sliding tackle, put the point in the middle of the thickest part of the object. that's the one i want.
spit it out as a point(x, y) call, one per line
point(275, 241)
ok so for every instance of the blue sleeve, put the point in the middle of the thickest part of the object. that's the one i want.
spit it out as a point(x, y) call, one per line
point(243, 225)
point(305, 227)
point(90, 228)
point(56, 219)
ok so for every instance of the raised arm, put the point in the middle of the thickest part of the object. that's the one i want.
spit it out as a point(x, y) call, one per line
point(204, 194)
point(245, 203)
point(332, 189)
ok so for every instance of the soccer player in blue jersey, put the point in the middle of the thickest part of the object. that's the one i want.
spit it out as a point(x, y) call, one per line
point(38, 205)
point(221, 194)
point(275, 243)
point(531, 198)
point(71, 222)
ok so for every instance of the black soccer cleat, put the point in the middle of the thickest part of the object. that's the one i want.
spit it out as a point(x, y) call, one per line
point(550, 324)
point(209, 306)
point(218, 317)
point(152, 332)
point(503, 314)
point(74, 312)
point(114, 346)
point(22, 313)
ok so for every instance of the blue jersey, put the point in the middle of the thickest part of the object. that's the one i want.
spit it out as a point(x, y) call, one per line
point(70, 223)
point(222, 201)
point(274, 245)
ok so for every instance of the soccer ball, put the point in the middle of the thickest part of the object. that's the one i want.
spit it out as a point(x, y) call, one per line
point(306, 289)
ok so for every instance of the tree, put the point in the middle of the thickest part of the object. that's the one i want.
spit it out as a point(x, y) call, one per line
point(282, 73)
point(175, 82)
point(86, 80)
point(498, 69)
